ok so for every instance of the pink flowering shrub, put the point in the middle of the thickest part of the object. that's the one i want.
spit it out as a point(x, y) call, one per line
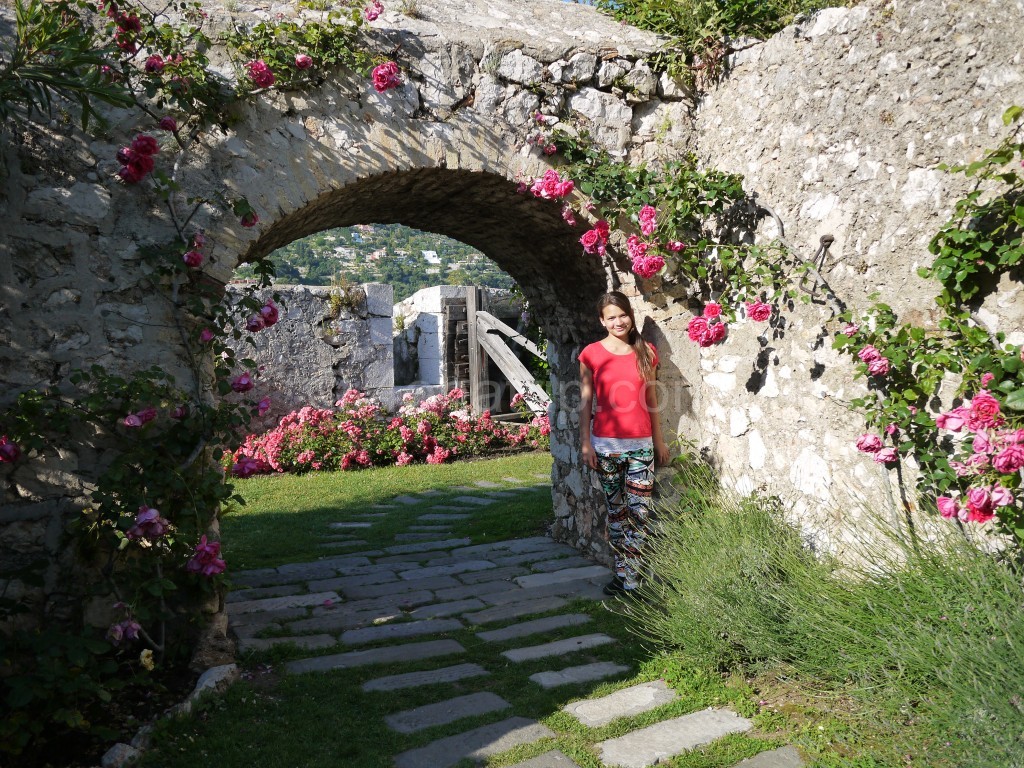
point(551, 186)
point(386, 76)
point(358, 433)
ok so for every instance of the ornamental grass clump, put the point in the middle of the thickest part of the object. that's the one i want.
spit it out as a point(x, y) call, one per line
point(929, 634)
point(360, 433)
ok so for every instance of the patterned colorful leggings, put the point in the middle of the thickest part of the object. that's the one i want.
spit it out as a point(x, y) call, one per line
point(628, 480)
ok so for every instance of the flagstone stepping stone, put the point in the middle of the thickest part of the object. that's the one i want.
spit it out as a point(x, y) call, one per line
point(626, 702)
point(486, 484)
point(546, 566)
point(266, 618)
point(668, 738)
point(424, 546)
point(342, 620)
point(535, 542)
point(407, 500)
point(567, 574)
point(398, 587)
point(407, 600)
point(442, 516)
point(447, 570)
point(783, 757)
point(471, 590)
point(403, 630)
point(388, 655)
point(533, 627)
point(415, 557)
point(557, 647)
point(429, 677)
point(341, 544)
point(444, 712)
point(476, 744)
point(513, 480)
point(541, 475)
point(582, 673)
point(258, 577)
point(463, 488)
point(372, 514)
point(447, 609)
point(420, 536)
point(350, 524)
point(258, 592)
point(497, 574)
point(344, 583)
point(432, 528)
point(499, 495)
point(306, 642)
point(552, 759)
point(383, 506)
point(479, 501)
point(515, 610)
point(289, 601)
point(586, 590)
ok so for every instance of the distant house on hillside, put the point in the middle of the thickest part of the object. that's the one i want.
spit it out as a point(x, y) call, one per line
point(431, 257)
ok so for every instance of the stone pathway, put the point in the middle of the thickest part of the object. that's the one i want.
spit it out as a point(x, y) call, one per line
point(400, 597)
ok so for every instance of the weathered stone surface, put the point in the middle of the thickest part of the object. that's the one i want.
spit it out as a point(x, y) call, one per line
point(536, 626)
point(552, 759)
point(783, 757)
point(557, 647)
point(515, 610)
point(408, 500)
point(447, 609)
point(561, 576)
point(478, 501)
point(398, 586)
point(388, 655)
point(441, 517)
point(350, 524)
point(341, 583)
point(495, 574)
point(444, 712)
point(650, 745)
point(583, 673)
point(447, 570)
point(626, 702)
point(256, 593)
point(399, 630)
point(307, 642)
point(471, 590)
point(119, 756)
point(399, 549)
point(430, 677)
point(288, 601)
point(475, 744)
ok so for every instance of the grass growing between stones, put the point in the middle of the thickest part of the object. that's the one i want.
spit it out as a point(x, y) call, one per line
point(914, 657)
point(286, 518)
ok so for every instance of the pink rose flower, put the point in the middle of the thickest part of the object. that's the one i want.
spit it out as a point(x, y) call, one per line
point(148, 524)
point(1009, 460)
point(696, 328)
point(712, 310)
point(648, 220)
point(648, 266)
point(567, 216)
point(269, 313)
point(675, 246)
point(303, 61)
point(591, 241)
point(243, 382)
point(251, 219)
point(885, 455)
point(948, 507)
point(849, 329)
point(550, 149)
point(193, 259)
point(246, 466)
point(879, 367)
point(373, 10)
point(386, 76)
point(981, 443)
point(551, 186)
point(716, 332)
point(198, 240)
point(602, 229)
point(206, 560)
point(869, 354)
point(168, 123)
point(180, 412)
point(758, 311)
point(260, 73)
point(986, 379)
point(155, 64)
point(869, 443)
point(263, 406)
point(636, 247)
point(144, 144)
point(255, 324)
point(1001, 497)
point(132, 420)
point(983, 412)
point(147, 414)
point(206, 335)
point(953, 420)
point(9, 450)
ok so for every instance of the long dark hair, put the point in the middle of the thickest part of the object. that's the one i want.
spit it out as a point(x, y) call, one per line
point(644, 356)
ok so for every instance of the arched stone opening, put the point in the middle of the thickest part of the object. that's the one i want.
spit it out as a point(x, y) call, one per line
point(526, 237)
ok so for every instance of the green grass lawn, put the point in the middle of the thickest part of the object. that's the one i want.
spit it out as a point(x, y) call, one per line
point(285, 518)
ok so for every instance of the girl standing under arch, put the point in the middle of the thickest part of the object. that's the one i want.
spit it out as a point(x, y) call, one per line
point(625, 439)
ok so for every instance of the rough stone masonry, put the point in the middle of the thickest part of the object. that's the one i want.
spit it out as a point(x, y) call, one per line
point(838, 123)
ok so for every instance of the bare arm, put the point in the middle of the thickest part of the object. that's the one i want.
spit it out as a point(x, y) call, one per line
point(661, 452)
point(586, 406)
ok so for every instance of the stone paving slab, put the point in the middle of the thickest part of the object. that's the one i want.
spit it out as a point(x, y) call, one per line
point(447, 609)
point(499, 495)
point(513, 480)
point(519, 558)
point(552, 759)
point(350, 524)
point(307, 642)
point(431, 528)
point(533, 627)
point(447, 570)
point(567, 574)
point(407, 600)
point(401, 630)
point(344, 562)
point(558, 647)
point(343, 583)
point(478, 501)
point(342, 620)
point(383, 506)
point(561, 563)
point(255, 593)
point(266, 618)
point(399, 549)
point(582, 673)
point(430, 677)
point(444, 712)
point(496, 574)
point(783, 757)
point(476, 744)
point(398, 586)
point(626, 702)
point(442, 516)
point(415, 557)
point(470, 590)
point(288, 601)
point(486, 484)
point(407, 500)
point(493, 547)
point(668, 738)
point(541, 475)
point(341, 544)
point(515, 610)
point(258, 577)
point(389, 655)
point(420, 536)
point(584, 589)
point(371, 515)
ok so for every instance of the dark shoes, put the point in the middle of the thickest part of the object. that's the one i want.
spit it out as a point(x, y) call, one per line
point(616, 587)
